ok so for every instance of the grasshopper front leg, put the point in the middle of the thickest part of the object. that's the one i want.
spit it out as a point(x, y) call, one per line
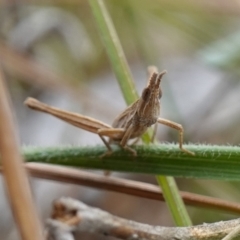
point(127, 135)
point(116, 133)
point(180, 131)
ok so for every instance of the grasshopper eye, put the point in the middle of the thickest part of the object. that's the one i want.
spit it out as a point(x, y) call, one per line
point(160, 93)
point(146, 94)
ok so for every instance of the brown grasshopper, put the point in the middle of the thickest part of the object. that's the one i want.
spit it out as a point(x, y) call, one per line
point(130, 124)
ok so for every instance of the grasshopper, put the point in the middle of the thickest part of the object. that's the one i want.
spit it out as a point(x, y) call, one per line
point(130, 124)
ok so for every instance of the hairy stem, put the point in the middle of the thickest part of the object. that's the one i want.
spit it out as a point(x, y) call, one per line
point(210, 162)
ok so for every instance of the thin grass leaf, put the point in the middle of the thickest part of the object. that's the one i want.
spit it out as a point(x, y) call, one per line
point(210, 162)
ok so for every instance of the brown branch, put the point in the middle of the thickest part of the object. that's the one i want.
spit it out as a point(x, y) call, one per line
point(71, 215)
point(14, 173)
point(145, 190)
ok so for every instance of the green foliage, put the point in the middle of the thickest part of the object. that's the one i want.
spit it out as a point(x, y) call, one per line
point(210, 162)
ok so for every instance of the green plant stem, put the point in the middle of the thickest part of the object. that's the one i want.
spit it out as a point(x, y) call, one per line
point(171, 199)
point(114, 50)
point(210, 162)
point(122, 72)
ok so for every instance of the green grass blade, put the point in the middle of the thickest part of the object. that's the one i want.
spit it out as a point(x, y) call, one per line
point(210, 162)
point(169, 187)
point(114, 50)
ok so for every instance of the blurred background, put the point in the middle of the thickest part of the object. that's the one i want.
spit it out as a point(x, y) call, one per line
point(51, 50)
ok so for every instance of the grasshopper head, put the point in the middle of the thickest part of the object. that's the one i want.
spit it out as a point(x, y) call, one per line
point(149, 103)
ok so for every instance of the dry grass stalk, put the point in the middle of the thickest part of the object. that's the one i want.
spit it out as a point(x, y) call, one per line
point(16, 179)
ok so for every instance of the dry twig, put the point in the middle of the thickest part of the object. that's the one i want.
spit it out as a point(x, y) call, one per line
point(234, 233)
point(71, 215)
